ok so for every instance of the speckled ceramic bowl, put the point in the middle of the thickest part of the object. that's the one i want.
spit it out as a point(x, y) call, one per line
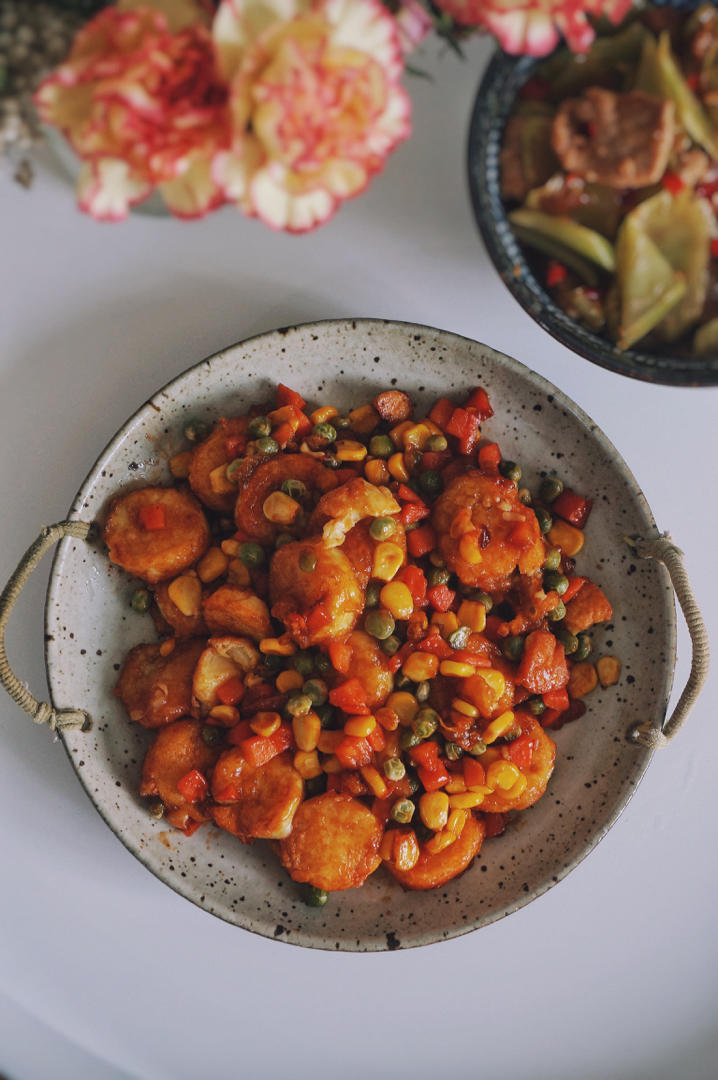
point(494, 102)
point(90, 628)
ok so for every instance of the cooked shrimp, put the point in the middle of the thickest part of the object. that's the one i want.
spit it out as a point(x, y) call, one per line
point(212, 454)
point(542, 750)
point(168, 616)
point(257, 802)
point(351, 503)
point(234, 610)
point(316, 605)
point(433, 870)
point(177, 750)
point(370, 664)
point(269, 477)
point(224, 658)
point(157, 689)
point(334, 842)
point(507, 532)
point(178, 537)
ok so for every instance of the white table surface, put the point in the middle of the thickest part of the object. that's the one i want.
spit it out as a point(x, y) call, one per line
point(104, 971)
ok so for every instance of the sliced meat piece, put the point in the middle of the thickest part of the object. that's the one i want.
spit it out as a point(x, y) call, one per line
point(334, 842)
point(157, 689)
point(589, 606)
point(622, 140)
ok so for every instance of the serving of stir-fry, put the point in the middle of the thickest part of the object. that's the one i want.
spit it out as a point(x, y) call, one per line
point(367, 629)
point(609, 167)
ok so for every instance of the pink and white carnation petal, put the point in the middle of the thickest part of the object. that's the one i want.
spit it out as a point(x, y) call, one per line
point(239, 23)
point(365, 26)
point(522, 32)
point(413, 24)
point(64, 107)
point(345, 179)
point(393, 126)
point(195, 193)
point(106, 189)
point(273, 203)
point(233, 169)
point(178, 13)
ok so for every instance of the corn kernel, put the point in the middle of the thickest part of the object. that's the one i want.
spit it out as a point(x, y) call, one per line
point(469, 548)
point(434, 809)
point(306, 729)
point(363, 420)
point(350, 450)
point(328, 741)
point(608, 669)
point(494, 680)
point(416, 435)
point(446, 621)
point(219, 483)
point(457, 668)
point(180, 465)
point(289, 680)
point(375, 781)
point(397, 468)
point(404, 705)
point(376, 472)
point(320, 416)
point(502, 774)
point(306, 762)
point(406, 849)
point(238, 573)
point(472, 613)
point(434, 429)
point(281, 646)
point(466, 800)
point(265, 723)
point(397, 432)
point(185, 592)
point(457, 820)
point(464, 707)
point(332, 765)
point(517, 789)
point(420, 666)
point(388, 558)
point(226, 715)
point(359, 726)
point(386, 848)
point(455, 784)
point(566, 537)
point(280, 508)
point(212, 565)
point(388, 718)
point(167, 647)
point(439, 841)
point(397, 599)
point(498, 727)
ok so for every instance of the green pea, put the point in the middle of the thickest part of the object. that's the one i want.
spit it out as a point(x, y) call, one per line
point(317, 690)
point(551, 488)
point(478, 748)
point(325, 431)
point(480, 597)
point(552, 560)
point(568, 640)
point(342, 422)
point(299, 705)
point(332, 462)
point(423, 689)
point(251, 554)
point(268, 446)
point(382, 528)
point(322, 663)
point(391, 645)
point(303, 662)
point(211, 735)
point(313, 896)
point(141, 601)
point(307, 561)
point(233, 468)
point(273, 662)
point(510, 470)
point(453, 751)
point(439, 576)
point(408, 739)
point(425, 723)
point(373, 592)
point(545, 521)
point(156, 808)
point(536, 706)
point(380, 624)
point(394, 768)
point(513, 647)
point(327, 716)
point(555, 582)
point(295, 489)
point(525, 496)
point(381, 446)
point(282, 539)
point(260, 427)
point(316, 785)
point(436, 444)
point(558, 613)
point(585, 646)
point(430, 482)
point(459, 638)
point(196, 430)
point(403, 811)
point(402, 682)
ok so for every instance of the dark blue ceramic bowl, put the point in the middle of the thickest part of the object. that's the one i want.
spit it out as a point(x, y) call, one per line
point(495, 99)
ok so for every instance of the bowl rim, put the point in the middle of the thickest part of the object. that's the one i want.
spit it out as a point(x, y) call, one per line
point(495, 96)
point(643, 755)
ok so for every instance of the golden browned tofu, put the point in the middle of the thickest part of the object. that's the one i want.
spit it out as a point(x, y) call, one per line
point(176, 751)
point(157, 689)
point(269, 477)
point(589, 606)
point(334, 842)
point(256, 801)
point(156, 533)
point(435, 869)
point(212, 454)
point(172, 619)
point(317, 605)
point(234, 610)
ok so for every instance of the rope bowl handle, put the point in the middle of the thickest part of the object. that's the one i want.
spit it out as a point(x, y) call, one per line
point(40, 711)
point(663, 550)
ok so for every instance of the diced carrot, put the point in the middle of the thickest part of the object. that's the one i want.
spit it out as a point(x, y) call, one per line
point(239, 733)
point(572, 507)
point(407, 494)
point(441, 597)
point(285, 396)
point(520, 752)
point(441, 413)
point(350, 696)
point(413, 577)
point(283, 434)
point(421, 541)
point(153, 517)
point(231, 690)
point(413, 511)
point(340, 656)
point(426, 753)
point(464, 424)
point(193, 786)
point(474, 772)
point(376, 739)
point(489, 458)
point(556, 699)
point(354, 752)
point(479, 402)
point(574, 584)
point(436, 644)
point(433, 779)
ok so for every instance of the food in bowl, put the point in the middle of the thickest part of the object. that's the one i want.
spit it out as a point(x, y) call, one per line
point(368, 629)
point(609, 171)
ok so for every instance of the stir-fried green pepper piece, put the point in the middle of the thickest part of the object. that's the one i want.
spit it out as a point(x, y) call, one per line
point(647, 287)
point(705, 341)
point(553, 250)
point(606, 64)
point(659, 74)
point(586, 243)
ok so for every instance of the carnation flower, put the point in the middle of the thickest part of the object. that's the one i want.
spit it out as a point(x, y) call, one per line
point(315, 100)
point(141, 102)
point(535, 26)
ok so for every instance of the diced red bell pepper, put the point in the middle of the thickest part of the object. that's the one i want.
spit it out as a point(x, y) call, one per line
point(556, 272)
point(520, 752)
point(489, 458)
point(412, 512)
point(407, 494)
point(433, 779)
point(259, 749)
point(317, 619)
point(574, 584)
point(340, 656)
point(193, 786)
point(435, 460)
point(479, 401)
point(231, 691)
point(551, 718)
point(556, 699)
point(426, 754)
point(495, 824)
point(464, 424)
point(474, 772)
point(421, 541)
point(543, 664)
point(572, 507)
point(354, 752)
point(413, 577)
point(436, 644)
point(304, 425)
point(239, 733)
point(191, 827)
point(350, 696)
point(441, 597)
point(673, 183)
point(466, 656)
point(283, 434)
point(153, 517)
point(441, 413)
point(234, 445)
point(285, 396)
point(376, 739)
